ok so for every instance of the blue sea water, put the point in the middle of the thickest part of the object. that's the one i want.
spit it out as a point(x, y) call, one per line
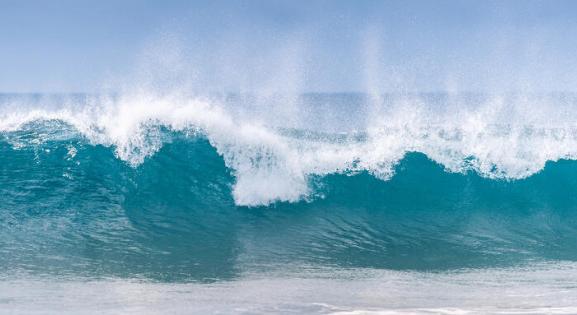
point(319, 203)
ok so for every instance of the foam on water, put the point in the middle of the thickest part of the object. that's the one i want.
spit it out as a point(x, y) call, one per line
point(501, 137)
point(528, 290)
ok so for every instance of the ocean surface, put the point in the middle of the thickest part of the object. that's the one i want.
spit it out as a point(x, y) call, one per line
point(177, 203)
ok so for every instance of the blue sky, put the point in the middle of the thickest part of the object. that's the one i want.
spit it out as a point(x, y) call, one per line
point(334, 46)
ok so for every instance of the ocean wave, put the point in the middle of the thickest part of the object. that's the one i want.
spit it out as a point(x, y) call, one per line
point(274, 159)
point(64, 196)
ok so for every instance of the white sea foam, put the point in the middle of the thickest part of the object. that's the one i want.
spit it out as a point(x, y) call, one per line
point(541, 289)
point(499, 137)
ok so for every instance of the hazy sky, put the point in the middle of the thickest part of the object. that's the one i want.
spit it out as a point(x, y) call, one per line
point(76, 45)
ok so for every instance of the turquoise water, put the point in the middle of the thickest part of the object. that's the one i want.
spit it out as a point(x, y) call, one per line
point(199, 198)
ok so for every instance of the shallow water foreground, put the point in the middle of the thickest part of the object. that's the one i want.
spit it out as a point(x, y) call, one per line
point(537, 289)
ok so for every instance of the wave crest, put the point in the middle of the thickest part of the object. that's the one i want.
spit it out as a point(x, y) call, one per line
point(274, 159)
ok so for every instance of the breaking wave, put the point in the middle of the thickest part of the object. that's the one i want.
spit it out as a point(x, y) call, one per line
point(274, 146)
